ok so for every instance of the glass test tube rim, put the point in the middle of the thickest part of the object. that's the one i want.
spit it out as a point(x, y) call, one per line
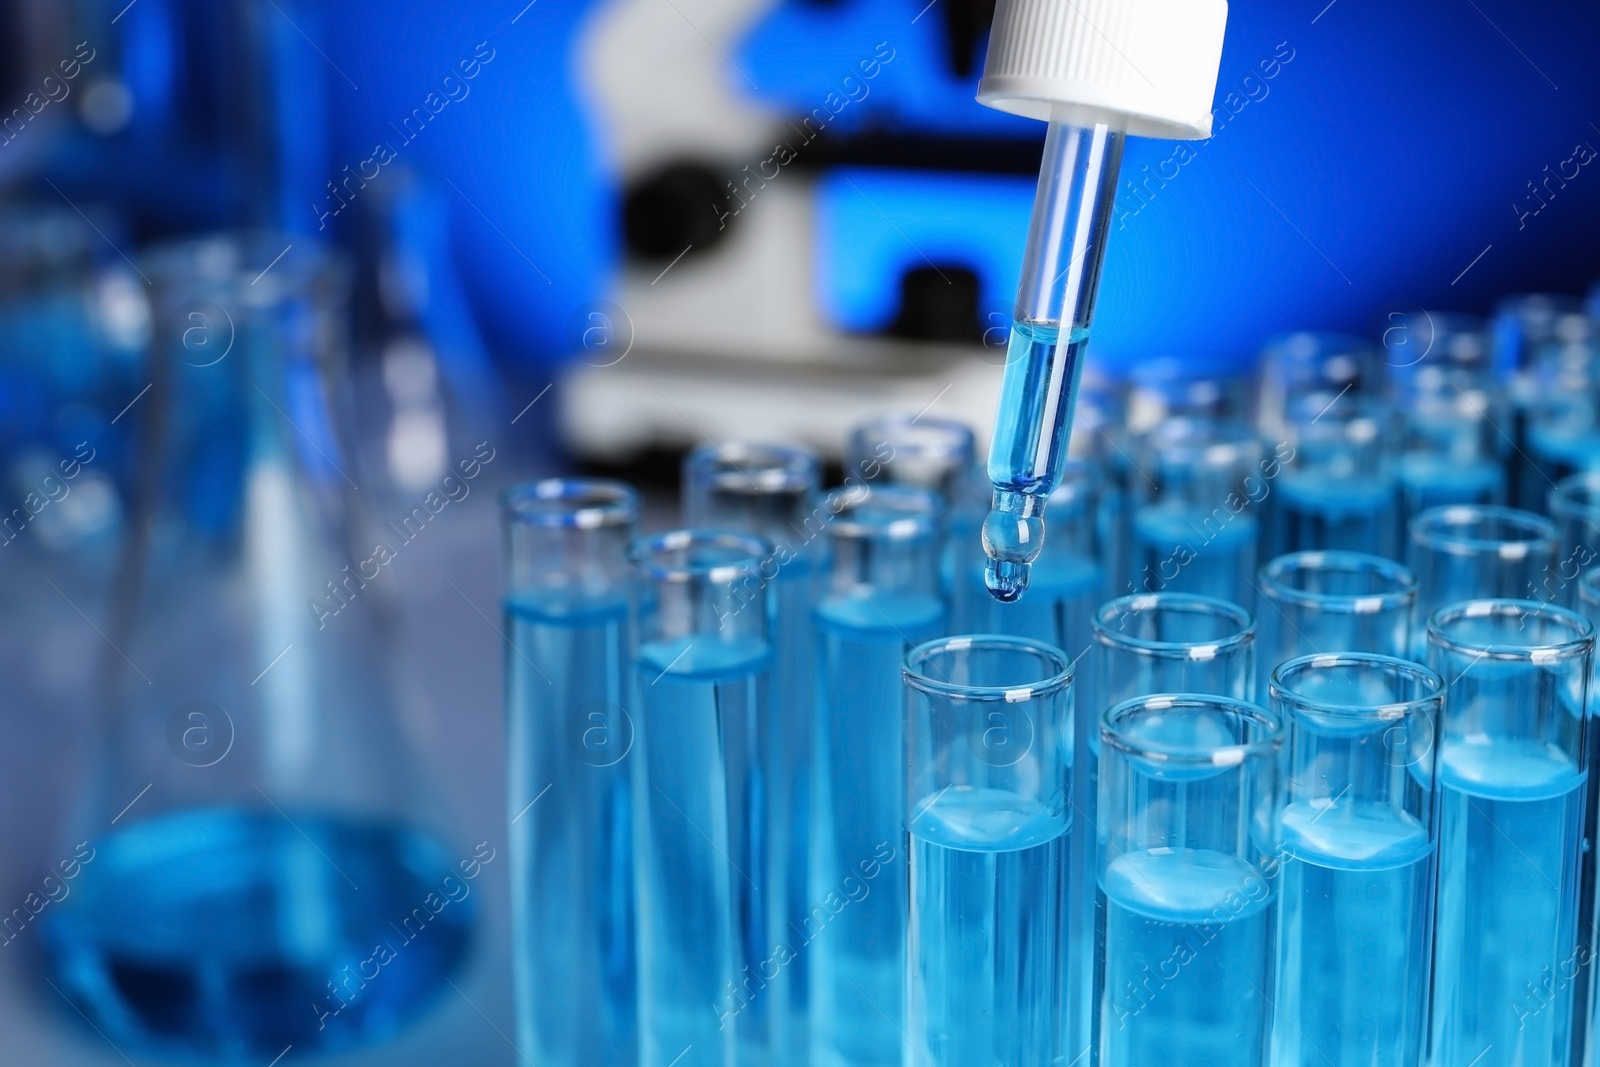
point(234, 265)
point(776, 467)
point(933, 437)
point(1431, 530)
point(1140, 603)
point(1275, 570)
point(646, 553)
point(1577, 496)
point(579, 503)
point(1058, 678)
point(1539, 653)
point(1589, 591)
point(1388, 711)
point(921, 513)
point(1216, 756)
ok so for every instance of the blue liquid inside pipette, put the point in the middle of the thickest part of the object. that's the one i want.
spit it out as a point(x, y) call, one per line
point(1029, 450)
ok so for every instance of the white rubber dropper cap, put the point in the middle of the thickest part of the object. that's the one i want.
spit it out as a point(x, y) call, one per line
point(1147, 67)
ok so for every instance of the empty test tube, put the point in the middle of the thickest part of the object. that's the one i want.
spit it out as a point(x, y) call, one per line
point(989, 762)
point(712, 917)
point(770, 491)
point(1296, 366)
point(569, 740)
point(1462, 552)
point(1356, 871)
point(879, 594)
point(1189, 796)
point(1194, 520)
point(1511, 771)
point(1327, 602)
point(1575, 507)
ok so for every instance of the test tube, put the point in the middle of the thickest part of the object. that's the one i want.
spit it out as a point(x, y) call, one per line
point(1186, 906)
point(1564, 414)
point(879, 596)
point(1511, 772)
point(987, 807)
point(1523, 326)
point(1143, 644)
point(1442, 384)
point(1328, 602)
point(1336, 489)
point(1357, 865)
point(1575, 507)
point(1068, 580)
point(1462, 552)
point(569, 740)
point(712, 921)
point(934, 454)
point(1295, 366)
point(770, 490)
point(1194, 526)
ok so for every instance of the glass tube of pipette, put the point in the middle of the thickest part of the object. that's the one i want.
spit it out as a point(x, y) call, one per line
point(770, 491)
point(1461, 552)
point(1149, 643)
point(1049, 333)
point(569, 739)
point(1512, 766)
point(1327, 602)
point(1575, 507)
point(1356, 871)
point(709, 888)
point(879, 595)
point(989, 756)
point(1190, 792)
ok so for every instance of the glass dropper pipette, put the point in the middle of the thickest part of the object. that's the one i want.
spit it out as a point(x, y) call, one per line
point(1096, 70)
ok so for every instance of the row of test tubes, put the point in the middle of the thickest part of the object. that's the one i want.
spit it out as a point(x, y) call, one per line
point(789, 787)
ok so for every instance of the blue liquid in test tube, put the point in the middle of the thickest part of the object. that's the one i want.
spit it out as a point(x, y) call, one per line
point(710, 898)
point(1512, 772)
point(1357, 866)
point(1186, 908)
point(988, 749)
point(880, 594)
point(1337, 489)
point(570, 799)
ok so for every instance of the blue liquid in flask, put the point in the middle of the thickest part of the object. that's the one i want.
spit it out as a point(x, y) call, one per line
point(703, 855)
point(1355, 941)
point(1026, 458)
point(1509, 820)
point(1184, 961)
point(988, 919)
point(231, 933)
point(572, 883)
point(859, 780)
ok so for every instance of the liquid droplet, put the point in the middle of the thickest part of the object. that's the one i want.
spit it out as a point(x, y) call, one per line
point(1006, 579)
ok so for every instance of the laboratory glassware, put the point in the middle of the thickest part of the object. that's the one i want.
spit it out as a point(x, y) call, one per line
point(1194, 519)
point(1069, 67)
point(1355, 874)
point(1463, 552)
point(708, 847)
point(1564, 415)
point(569, 796)
point(878, 596)
point(1068, 580)
point(269, 864)
point(1336, 489)
point(1309, 364)
point(925, 452)
point(1331, 602)
point(988, 734)
point(1186, 908)
point(1142, 644)
point(1512, 768)
point(1575, 507)
point(1524, 326)
point(771, 491)
point(1448, 402)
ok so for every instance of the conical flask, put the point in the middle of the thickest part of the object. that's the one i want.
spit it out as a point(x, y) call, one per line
point(263, 864)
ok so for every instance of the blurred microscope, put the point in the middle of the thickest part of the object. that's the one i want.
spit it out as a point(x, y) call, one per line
point(819, 222)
